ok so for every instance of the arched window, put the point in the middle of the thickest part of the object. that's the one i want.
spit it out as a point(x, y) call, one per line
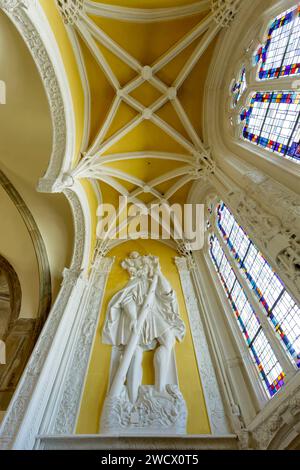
point(281, 309)
point(238, 87)
point(272, 122)
point(237, 261)
point(261, 351)
point(271, 119)
point(280, 55)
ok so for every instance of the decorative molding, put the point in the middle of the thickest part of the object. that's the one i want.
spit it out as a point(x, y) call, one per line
point(215, 409)
point(267, 427)
point(79, 355)
point(145, 15)
point(17, 12)
point(273, 194)
point(96, 442)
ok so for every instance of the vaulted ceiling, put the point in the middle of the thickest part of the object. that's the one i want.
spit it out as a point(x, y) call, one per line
point(145, 65)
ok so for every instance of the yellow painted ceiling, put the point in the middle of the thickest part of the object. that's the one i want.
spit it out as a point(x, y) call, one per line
point(146, 42)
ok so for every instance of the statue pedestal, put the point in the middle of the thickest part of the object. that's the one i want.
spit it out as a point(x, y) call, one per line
point(154, 412)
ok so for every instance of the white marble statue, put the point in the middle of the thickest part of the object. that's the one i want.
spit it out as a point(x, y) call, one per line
point(143, 316)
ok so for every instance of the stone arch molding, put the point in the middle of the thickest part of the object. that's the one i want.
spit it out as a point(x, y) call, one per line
point(30, 21)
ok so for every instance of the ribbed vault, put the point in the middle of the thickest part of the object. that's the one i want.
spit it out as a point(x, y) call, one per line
point(145, 71)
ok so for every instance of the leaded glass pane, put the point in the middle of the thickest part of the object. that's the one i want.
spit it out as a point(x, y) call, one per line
point(281, 309)
point(280, 55)
point(273, 122)
point(261, 351)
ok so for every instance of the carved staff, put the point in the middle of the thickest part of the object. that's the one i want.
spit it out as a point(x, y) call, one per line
point(121, 373)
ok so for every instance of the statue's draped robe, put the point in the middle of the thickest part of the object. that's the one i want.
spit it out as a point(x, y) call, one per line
point(162, 316)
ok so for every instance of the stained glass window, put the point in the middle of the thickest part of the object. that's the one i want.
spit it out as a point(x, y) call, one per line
point(281, 309)
point(238, 88)
point(280, 56)
point(272, 122)
point(261, 351)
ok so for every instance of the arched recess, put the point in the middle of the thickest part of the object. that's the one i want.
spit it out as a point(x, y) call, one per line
point(35, 30)
point(192, 379)
point(235, 48)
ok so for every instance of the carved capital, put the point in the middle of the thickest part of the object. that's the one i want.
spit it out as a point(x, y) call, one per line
point(70, 10)
point(224, 11)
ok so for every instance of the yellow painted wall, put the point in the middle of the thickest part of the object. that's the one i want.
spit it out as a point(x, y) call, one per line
point(93, 204)
point(98, 372)
point(69, 60)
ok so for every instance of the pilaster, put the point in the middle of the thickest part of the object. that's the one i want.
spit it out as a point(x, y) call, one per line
point(214, 403)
